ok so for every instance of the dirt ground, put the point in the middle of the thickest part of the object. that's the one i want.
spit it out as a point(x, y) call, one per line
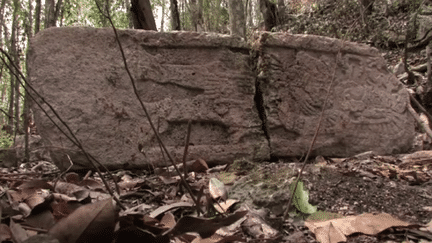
point(399, 185)
point(371, 184)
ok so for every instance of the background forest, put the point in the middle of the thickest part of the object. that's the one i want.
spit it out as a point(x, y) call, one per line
point(380, 23)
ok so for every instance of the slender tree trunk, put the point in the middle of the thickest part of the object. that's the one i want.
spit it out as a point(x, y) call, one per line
point(49, 14)
point(2, 95)
point(142, 15)
point(218, 8)
point(429, 66)
point(129, 13)
point(249, 15)
point(15, 58)
point(26, 110)
point(281, 12)
point(175, 16)
point(37, 16)
point(61, 15)
point(2, 6)
point(11, 104)
point(106, 5)
point(162, 17)
point(237, 18)
point(268, 10)
point(193, 11)
point(29, 27)
point(200, 19)
point(2, 22)
point(196, 12)
point(11, 88)
point(57, 12)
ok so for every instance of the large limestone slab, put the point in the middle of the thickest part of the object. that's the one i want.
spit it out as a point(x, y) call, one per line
point(367, 107)
point(179, 76)
point(211, 80)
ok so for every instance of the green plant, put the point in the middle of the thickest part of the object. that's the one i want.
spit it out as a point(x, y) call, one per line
point(6, 140)
point(301, 199)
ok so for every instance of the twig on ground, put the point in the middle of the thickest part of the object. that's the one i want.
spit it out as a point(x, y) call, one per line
point(64, 172)
point(415, 101)
point(423, 125)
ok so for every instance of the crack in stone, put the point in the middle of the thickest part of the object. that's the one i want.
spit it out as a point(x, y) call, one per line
point(259, 104)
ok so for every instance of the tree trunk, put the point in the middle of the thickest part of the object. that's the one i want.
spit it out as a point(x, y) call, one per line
point(37, 16)
point(142, 15)
point(105, 6)
point(57, 12)
point(29, 27)
point(237, 18)
point(281, 12)
point(12, 90)
point(200, 26)
point(175, 16)
point(129, 14)
point(49, 14)
point(268, 10)
point(3, 91)
point(26, 97)
point(2, 97)
point(15, 58)
point(196, 14)
point(11, 104)
point(2, 22)
point(162, 17)
point(429, 66)
point(249, 13)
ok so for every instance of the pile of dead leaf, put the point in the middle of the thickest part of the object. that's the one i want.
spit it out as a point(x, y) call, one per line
point(50, 208)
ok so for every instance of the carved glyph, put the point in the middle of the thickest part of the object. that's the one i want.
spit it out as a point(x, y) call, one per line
point(366, 109)
point(244, 100)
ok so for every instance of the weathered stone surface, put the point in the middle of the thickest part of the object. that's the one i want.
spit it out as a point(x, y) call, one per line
point(37, 150)
point(13, 156)
point(8, 157)
point(211, 79)
point(179, 76)
point(366, 109)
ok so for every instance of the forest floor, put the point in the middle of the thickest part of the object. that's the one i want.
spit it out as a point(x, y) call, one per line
point(396, 187)
point(400, 186)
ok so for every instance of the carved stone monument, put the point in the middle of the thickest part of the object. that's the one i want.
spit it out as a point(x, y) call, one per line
point(366, 109)
point(250, 100)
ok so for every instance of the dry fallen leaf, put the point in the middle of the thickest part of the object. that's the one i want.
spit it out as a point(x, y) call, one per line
point(166, 208)
point(18, 233)
point(5, 233)
point(68, 188)
point(90, 223)
point(198, 165)
point(255, 226)
point(336, 230)
point(41, 220)
point(223, 207)
point(217, 189)
point(41, 238)
point(168, 220)
point(204, 227)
